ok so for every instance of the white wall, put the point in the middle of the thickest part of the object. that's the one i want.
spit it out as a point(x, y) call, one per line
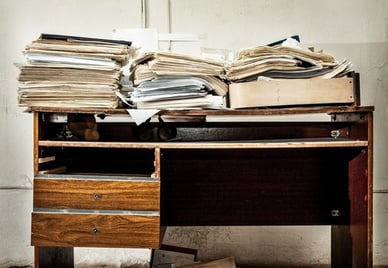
point(356, 30)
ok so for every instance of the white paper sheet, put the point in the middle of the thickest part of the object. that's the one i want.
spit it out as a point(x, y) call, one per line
point(141, 115)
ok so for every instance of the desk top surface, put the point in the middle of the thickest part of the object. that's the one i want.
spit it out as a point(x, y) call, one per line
point(226, 112)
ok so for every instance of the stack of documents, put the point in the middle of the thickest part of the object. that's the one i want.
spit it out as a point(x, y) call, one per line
point(72, 72)
point(165, 63)
point(168, 80)
point(284, 61)
point(176, 92)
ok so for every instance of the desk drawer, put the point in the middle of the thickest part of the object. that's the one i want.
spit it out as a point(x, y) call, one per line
point(95, 230)
point(95, 193)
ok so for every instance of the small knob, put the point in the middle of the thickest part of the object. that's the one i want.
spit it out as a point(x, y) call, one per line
point(95, 231)
point(97, 196)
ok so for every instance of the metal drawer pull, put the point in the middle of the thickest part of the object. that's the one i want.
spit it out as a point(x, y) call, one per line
point(97, 196)
point(335, 134)
point(336, 213)
point(95, 231)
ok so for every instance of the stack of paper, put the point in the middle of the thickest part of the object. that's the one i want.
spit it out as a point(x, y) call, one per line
point(69, 71)
point(284, 61)
point(166, 63)
point(169, 80)
point(176, 92)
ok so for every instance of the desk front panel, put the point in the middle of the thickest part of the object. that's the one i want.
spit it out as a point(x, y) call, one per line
point(60, 229)
point(255, 187)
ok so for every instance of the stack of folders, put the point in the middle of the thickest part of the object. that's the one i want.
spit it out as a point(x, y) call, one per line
point(168, 80)
point(72, 72)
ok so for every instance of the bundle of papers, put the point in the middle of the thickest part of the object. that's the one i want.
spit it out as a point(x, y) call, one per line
point(171, 75)
point(285, 61)
point(151, 65)
point(81, 72)
point(176, 92)
point(168, 80)
point(69, 71)
point(142, 73)
point(165, 63)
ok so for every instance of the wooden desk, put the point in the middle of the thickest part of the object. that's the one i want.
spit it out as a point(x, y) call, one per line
point(122, 190)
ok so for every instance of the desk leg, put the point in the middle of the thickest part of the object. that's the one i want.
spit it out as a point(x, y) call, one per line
point(341, 246)
point(48, 257)
point(163, 230)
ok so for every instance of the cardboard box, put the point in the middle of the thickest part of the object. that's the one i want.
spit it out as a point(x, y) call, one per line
point(293, 92)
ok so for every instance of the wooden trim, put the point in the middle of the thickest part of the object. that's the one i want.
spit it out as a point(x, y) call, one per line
point(157, 163)
point(36, 143)
point(356, 89)
point(260, 144)
point(36, 257)
point(204, 112)
point(370, 189)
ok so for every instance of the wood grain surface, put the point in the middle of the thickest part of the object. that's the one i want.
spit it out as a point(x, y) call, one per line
point(96, 194)
point(95, 230)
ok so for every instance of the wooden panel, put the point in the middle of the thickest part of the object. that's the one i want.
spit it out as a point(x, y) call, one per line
point(96, 160)
point(95, 230)
point(58, 257)
point(286, 92)
point(255, 187)
point(341, 247)
point(96, 194)
point(358, 191)
point(361, 194)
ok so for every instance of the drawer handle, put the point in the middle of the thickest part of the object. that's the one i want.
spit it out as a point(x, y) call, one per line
point(95, 231)
point(97, 196)
point(336, 213)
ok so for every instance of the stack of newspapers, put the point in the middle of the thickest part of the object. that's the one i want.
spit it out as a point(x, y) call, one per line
point(72, 72)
